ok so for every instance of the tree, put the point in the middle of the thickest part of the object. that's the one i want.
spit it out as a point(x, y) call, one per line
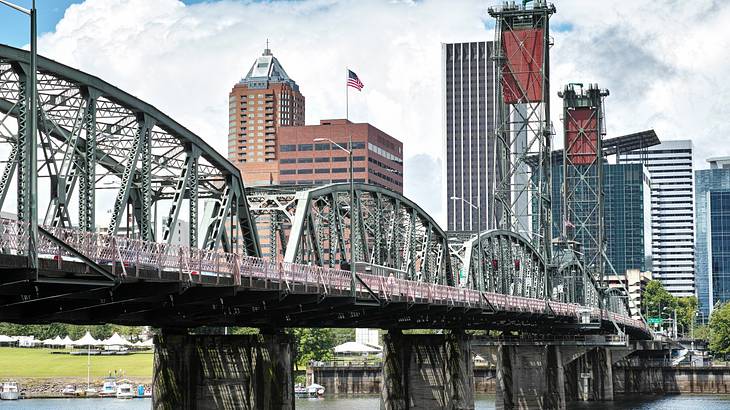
point(314, 343)
point(655, 298)
point(686, 313)
point(703, 332)
point(720, 329)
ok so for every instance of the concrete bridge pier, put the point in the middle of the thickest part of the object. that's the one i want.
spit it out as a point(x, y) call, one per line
point(223, 372)
point(549, 376)
point(427, 372)
point(530, 377)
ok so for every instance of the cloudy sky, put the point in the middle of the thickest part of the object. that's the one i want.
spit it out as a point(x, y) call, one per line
point(664, 61)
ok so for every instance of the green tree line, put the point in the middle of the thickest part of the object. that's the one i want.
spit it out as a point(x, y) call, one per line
point(51, 330)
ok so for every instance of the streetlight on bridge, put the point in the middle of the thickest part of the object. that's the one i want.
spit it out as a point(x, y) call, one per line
point(352, 207)
point(479, 238)
point(30, 154)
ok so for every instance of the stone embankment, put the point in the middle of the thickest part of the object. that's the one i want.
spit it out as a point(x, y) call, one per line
point(51, 387)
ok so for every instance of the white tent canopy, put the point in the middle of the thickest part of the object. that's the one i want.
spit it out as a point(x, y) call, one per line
point(116, 340)
point(66, 341)
point(86, 340)
point(355, 347)
point(56, 341)
point(6, 339)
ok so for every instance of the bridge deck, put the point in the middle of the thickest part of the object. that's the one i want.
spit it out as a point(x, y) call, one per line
point(134, 282)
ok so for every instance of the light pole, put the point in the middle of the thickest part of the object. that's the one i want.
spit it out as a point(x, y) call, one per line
point(479, 239)
point(31, 171)
point(352, 208)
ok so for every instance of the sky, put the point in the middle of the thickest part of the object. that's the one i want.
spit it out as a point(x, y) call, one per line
point(665, 62)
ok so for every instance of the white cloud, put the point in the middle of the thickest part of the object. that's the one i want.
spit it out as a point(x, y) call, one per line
point(664, 61)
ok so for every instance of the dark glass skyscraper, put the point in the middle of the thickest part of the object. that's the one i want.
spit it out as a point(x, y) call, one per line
point(712, 243)
point(627, 214)
point(468, 98)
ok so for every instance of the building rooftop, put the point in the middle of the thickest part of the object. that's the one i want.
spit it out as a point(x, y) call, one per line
point(719, 162)
point(267, 69)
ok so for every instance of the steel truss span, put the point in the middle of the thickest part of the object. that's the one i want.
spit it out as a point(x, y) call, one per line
point(311, 226)
point(102, 152)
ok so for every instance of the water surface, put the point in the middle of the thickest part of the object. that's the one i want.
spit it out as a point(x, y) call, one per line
point(483, 402)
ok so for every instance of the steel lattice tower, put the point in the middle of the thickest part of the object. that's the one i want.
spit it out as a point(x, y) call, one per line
point(583, 131)
point(523, 130)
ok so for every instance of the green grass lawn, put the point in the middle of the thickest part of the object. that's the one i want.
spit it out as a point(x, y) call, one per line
point(17, 362)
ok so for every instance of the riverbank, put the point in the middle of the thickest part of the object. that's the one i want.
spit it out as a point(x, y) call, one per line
point(51, 387)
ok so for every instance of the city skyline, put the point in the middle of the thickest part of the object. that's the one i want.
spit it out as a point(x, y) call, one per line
point(409, 107)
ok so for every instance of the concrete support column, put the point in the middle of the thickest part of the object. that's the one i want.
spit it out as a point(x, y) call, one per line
point(427, 372)
point(602, 374)
point(223, 372)
point(530, 377)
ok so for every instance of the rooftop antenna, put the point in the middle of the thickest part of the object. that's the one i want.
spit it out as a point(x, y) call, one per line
point(267, 51)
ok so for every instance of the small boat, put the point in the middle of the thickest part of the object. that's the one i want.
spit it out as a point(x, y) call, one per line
point(9, 391)
point(91, 392)
point(69, 391)
point(124, 391)
point(312, 391)
point(109, 388)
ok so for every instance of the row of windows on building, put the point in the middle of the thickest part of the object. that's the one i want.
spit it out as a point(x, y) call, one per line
point(319, 160)
point(316, 147)
point(319, 171)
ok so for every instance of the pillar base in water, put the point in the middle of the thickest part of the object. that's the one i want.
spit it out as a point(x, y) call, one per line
point(252, 372)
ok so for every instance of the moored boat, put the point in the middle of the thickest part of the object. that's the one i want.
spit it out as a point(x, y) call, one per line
point(314, 390)
point(9, 391)
point(109, 388)
point(124, 391)
point(69, 391)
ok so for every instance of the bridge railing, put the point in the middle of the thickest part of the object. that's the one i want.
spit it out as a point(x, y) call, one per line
point(128, 256)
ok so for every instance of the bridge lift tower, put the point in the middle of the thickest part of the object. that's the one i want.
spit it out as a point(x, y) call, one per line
point(523, 128)
point(582, 185)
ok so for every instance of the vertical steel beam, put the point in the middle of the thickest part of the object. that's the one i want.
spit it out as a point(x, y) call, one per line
point(177, 200)
point(213, 235)
point(87, 177)
point(145, 221)
point(144, 124)
point(27, 133)
point(193, 189)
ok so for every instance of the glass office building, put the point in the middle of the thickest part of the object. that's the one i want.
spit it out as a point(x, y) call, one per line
point(627, 214)
point(712, 203)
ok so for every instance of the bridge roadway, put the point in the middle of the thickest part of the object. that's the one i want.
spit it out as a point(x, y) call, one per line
point(133, 282)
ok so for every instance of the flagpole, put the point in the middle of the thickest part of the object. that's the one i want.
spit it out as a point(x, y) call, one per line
point(352, 184)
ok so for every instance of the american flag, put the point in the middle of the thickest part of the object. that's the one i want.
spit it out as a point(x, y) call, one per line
point(353, 81)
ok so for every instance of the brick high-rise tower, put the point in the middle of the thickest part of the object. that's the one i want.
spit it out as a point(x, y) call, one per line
point(258, 105)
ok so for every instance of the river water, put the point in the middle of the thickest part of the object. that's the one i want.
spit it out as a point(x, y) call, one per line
point(483, 402)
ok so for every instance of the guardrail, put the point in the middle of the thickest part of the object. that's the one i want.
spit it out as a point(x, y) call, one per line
point(127, 257)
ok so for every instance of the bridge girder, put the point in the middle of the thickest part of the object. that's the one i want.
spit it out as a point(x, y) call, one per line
point(311, 225)
point(102, 150)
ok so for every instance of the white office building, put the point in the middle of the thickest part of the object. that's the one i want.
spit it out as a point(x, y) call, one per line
point(672, 213)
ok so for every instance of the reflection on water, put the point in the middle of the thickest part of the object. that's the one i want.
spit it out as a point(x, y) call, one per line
point(76, 404)
point(483, 402)
point(688, 401)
